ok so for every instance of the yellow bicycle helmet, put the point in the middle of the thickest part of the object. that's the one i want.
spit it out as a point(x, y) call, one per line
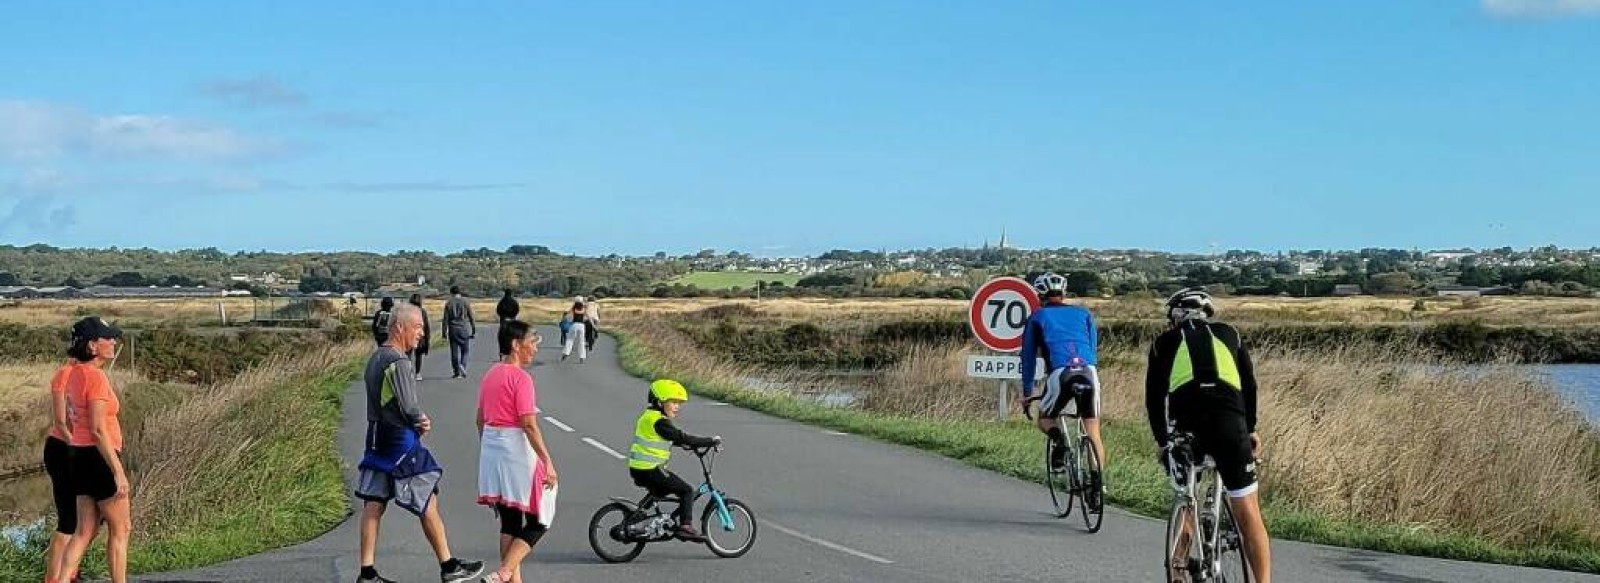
point(663, 390)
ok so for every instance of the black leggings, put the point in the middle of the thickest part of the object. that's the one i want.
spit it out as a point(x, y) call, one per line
point(416, 359)
point(662, 484)
point(57, 461)
point(519, 524)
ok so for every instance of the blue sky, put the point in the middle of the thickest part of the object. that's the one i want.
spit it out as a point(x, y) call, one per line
point(782, 128)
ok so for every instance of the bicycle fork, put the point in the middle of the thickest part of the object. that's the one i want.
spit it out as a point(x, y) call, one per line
point(724, 517)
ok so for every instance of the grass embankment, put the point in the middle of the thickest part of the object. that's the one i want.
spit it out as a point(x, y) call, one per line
point(1363, 448)
point(232, 469)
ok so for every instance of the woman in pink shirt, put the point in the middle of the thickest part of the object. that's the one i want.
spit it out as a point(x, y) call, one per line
point(514, 468)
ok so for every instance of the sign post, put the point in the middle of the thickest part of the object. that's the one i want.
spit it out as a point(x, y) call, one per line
point(998, 315)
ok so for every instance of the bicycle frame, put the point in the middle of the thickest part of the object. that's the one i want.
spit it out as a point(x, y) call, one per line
point(1186, 497)
point(706, 489)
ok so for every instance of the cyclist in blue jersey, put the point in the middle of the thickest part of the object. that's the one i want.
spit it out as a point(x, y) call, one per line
point(1065, 335)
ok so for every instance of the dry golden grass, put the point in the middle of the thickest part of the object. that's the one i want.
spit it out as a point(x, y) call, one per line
point(1366, 433)
point(208, 431)
point(25, 409)
point(908, 387)
point(192, 312)
point(1362, 432)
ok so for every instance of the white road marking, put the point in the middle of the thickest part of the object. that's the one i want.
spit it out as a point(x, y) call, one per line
point(602, 447)
point(718, 404)
point(835, 433)
point(563, 426)
point(830, 545)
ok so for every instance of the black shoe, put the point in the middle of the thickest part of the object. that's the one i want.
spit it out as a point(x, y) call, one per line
point(375, 579)
point(1058, 462)
point(464, 571)
point(687, 532)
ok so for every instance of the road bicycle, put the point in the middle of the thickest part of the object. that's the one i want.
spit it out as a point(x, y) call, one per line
point(1080, 478)
point(1198, 507)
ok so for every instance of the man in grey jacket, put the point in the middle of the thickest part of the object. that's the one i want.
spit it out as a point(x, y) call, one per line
point(395, 466)
point(460, 328)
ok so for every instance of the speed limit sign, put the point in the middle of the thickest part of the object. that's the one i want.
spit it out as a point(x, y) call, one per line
point(999, 312)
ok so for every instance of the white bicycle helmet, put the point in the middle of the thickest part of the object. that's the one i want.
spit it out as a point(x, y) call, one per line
point(1049, 282)
point(1188, 304)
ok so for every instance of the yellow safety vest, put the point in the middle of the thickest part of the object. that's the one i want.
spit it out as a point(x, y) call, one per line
point(649, 451)
point(1183, 370)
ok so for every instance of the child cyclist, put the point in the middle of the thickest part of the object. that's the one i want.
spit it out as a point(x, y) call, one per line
point(654, 434)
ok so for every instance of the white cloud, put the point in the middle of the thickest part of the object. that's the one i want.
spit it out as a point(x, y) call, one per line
point(255, 92)
point(36, 215)
point(38, 131)
point(1542, 8)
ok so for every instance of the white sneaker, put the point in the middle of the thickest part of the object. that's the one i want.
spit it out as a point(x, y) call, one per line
point(419, 377)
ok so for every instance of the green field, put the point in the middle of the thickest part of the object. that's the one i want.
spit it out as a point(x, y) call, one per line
point(733, 279)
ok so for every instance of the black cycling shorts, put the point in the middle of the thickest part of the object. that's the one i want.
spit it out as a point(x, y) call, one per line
point(1223, 434)
point(1058, 393)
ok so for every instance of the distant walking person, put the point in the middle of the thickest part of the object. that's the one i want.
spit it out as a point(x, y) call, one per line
point(577, 333)
point(591, 321)
point(427, 336)
point(565, 325)
point(96, 472)
point(380, 321)
point(460, 328)
point(57, 455)
point(515, 473)
point(508, 308)
point(395, 465)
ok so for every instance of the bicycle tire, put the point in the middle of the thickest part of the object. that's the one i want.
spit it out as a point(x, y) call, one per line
point(600, 532)
point(708, 529)
point(1091, 500)
point(1230, 548)
point(1174, 528)
point(1058, 484)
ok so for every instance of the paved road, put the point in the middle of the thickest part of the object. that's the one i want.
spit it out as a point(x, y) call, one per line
point(832, 507)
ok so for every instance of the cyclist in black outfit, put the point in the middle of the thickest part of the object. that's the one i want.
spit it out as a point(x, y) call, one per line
point(1201, 381)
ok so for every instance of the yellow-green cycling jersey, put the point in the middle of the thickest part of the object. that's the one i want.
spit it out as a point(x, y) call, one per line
point(1218, 366)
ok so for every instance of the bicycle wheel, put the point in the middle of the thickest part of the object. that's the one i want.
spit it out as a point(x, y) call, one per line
point(604, 530)
point(732, 539)
point(1090, 499)
point(1177, 520)
point(1058, 482)
point(1230, 548)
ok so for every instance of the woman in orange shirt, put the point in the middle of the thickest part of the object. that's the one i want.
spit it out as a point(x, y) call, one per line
point(96, 439)
point(56, 458)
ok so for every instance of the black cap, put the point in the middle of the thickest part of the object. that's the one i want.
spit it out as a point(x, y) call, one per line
point(94, 328)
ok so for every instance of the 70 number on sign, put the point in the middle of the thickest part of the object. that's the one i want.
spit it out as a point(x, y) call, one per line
point(1014, 309)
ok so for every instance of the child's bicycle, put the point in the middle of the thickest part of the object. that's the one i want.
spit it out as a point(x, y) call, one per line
point(620, 529)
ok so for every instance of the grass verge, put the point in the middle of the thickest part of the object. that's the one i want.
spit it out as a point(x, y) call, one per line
point(235, 469)
point(1134, 479)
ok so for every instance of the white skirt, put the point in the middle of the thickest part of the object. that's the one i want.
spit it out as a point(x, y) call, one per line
point(509, 470)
